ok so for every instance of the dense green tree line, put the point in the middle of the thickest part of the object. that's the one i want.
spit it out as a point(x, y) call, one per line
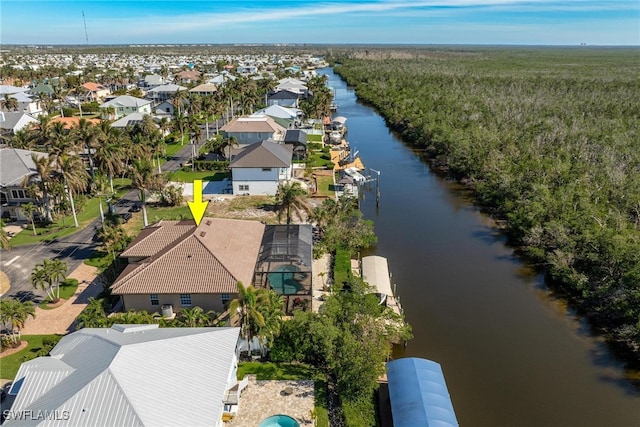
point(549, 141)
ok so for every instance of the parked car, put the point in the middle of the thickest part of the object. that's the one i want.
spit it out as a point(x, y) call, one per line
point(124, 217)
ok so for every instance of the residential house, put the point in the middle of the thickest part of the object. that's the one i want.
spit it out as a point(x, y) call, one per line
point(260, 168)
point(284, 97)
point(163, 93)
point(164, 109)
point(176, 264)
point(188, 76)
point(151, 81)
point(25, 103)
point(95, 92)
point(12, 122)
point(129, 375)
point(222, 78)
point(129, 120)
point(279, 112)
point(124, 105)
point(17, 171)
point(293, 85)
point(205, 89)
point(251, 130)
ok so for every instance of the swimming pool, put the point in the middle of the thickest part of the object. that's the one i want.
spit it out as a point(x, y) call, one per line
point(281, 279)
point(279, 420)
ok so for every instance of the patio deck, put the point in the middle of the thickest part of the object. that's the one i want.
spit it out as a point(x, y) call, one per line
point(261, 399)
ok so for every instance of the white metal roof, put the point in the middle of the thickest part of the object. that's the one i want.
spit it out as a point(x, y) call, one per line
point(134, 375)
point(375, 272)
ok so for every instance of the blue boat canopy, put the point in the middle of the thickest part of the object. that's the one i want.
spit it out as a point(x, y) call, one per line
point(419, 394)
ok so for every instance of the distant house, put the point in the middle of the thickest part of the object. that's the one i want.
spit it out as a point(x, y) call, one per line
point(96, 91)
point(124, 105)
point(17, 171)
point(152, 80)
point(129, 120)
point(205, 89)
point(130, 375)
point(279, 112)
point(163, 93)
point(293, 85)
point(283, 97)
point(222, 78)
point(71, 122)
point(164, 109)
point(12, 122)
point(25, 103)
point(251, 130)
point(188, 76)
point(259, 168)
point(176, 264)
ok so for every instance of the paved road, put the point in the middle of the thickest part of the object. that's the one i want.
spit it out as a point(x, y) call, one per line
point(18, 263)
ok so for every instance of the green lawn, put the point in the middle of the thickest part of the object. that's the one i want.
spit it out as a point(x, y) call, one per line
point(67, 290)
point(325, 186)
point(9, 364)
point(291, 371)
point(172, 149)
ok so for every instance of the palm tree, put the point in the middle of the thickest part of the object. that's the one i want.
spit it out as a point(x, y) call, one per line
point(114, 239)
point(144, 179)
point(195, 317)
point(229, 143)
point(109, 152)
point(16, 313)
point(5, 243)
point(272, 312)
point(93, 316)
point(75, 178)
point(246, 306)
point(56, 271)
point(44, 168)
point(86, 134)
point(291, 196)
point(9, 103)
point(29, 209)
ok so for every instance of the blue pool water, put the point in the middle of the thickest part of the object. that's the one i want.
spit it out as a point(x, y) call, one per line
point(279, 421)
point(282, 281)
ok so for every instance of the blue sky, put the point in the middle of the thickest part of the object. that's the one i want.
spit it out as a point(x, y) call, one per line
point(532, 22)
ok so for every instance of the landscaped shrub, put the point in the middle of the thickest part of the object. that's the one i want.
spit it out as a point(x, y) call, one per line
point(341, 266)
point(211, 165)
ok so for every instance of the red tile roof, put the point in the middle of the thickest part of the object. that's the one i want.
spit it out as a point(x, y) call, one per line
point(71, 122)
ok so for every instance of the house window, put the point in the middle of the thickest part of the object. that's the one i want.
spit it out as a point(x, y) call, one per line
point(185, 299)
point(244, 187)
point(18, 194)
point(225, 298)
point(266, 169)
point(154, 299)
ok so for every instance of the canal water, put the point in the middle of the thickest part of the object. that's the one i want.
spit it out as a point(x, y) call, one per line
point(512, 354)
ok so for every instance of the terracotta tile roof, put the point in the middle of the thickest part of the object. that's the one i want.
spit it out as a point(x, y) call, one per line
point(253, 124)
point(210, 258)
point(71, 122)
point(93, 87)
point(155, 238)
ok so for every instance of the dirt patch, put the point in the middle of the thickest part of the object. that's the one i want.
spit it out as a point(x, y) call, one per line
point(244, 207)
point(10, 351)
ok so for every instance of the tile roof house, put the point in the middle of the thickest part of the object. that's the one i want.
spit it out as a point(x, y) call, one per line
point(259, 168)
point(175, 264)
point(71, 122)
point(95, 91)
point(188, 76)
point(16, 169)
point(205, 89)
point(251, 130)
point(129, 375)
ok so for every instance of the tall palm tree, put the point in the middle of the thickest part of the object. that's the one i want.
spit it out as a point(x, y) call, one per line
point(75, 178)
point(246, 307)
point(109, 153)
point(144, 179)
point(44, 168)
point(291, 196)
point(114, 239)
point(88, 137)
point(56, 271)
point(29, 209)
point(272, 312)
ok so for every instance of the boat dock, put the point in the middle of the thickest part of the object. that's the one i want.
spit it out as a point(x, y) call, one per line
point(375, 271)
